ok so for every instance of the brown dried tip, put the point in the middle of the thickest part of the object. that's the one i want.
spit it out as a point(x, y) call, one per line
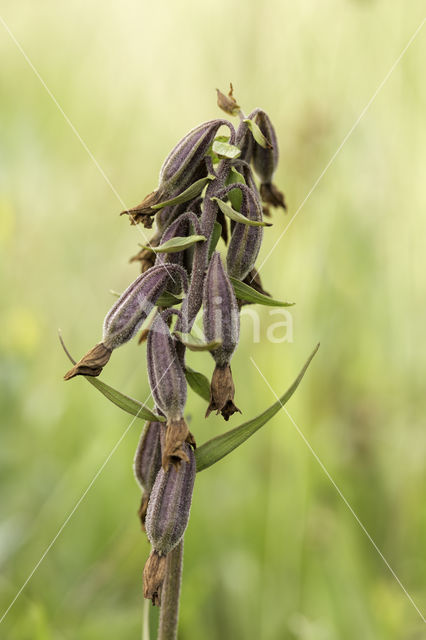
point(143, 508)
point(153, 577)
point(173, 451)
point(228, 103)
point(143, 212)
point(92, 363)
point(222, 392)
point(146, 257)
point(270, 194)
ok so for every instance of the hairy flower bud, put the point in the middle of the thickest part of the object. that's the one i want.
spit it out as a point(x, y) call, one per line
point(153, 577)
point(168, 386)
point(126, 316)
point(221, 318)
point(186, 162)
point(147, 462)
point(134, 305)
point(221, 322)
point(169, 505)
point(245, 240)
point(265, 161)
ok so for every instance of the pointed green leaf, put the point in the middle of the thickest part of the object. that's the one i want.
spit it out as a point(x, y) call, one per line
point(235, 195)
point(198, 383)
point(238, 217)
point(168, 299)
point(215, 237)
point(195, 344)
point(189, 194)
point(219, 447)
point(128, 404)
point(257, 134)
point(178, 243)
point(244, 292)
point(225, 150)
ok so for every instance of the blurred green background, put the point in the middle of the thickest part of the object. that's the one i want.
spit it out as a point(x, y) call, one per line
point(272, 552)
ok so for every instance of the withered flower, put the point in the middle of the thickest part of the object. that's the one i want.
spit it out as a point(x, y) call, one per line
point(222, 391)
point(92, 363)
point(146, 256)
point(270, 194)
point(228, 103)
point(153, 577)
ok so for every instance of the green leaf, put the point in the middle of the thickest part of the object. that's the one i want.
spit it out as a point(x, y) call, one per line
point(225, 150)
point(128, 404)
point(191, 192)
point(178, 243)
point(238, 217)
point(168, 299)
point(195, 344)
point(235, 195)
point(198, 383)
point(257, 134)
point(244, 292)
point(219, 447)
point(215, 237)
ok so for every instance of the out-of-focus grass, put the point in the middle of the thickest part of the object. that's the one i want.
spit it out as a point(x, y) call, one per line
point(271, 550)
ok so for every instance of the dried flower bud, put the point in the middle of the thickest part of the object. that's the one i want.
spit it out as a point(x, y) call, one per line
point(265, 162)
point(169, 505)
point(153, 577)
point(92, 363)
point(134, 305)
point(245, 240)
point(221, 318)
point(147, 462)
point(270, 194)
point(222, 393)
point(228, 103)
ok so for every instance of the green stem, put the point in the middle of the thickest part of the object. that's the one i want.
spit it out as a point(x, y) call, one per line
point(169, 612)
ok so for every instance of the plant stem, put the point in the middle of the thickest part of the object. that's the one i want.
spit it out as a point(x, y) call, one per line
point(169, 612)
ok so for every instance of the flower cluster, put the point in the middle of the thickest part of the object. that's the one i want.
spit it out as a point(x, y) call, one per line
point(207, 191)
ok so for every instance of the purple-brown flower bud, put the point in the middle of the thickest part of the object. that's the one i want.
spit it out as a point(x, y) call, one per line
point(186, 162)
point(126, 316)
point(153, 577)
point(245, 240)
point(221, 318)
point(168, 386)
point(169, 505)
point(265, 161)
point(134, 305)
point(147, 462)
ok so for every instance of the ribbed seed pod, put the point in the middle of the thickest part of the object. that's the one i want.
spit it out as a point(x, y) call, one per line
point(169, 505)
point(265, 161)
point(147, 462)
point(245, 240)
point(221, 321)
point(126, 316)
point(168, 387)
